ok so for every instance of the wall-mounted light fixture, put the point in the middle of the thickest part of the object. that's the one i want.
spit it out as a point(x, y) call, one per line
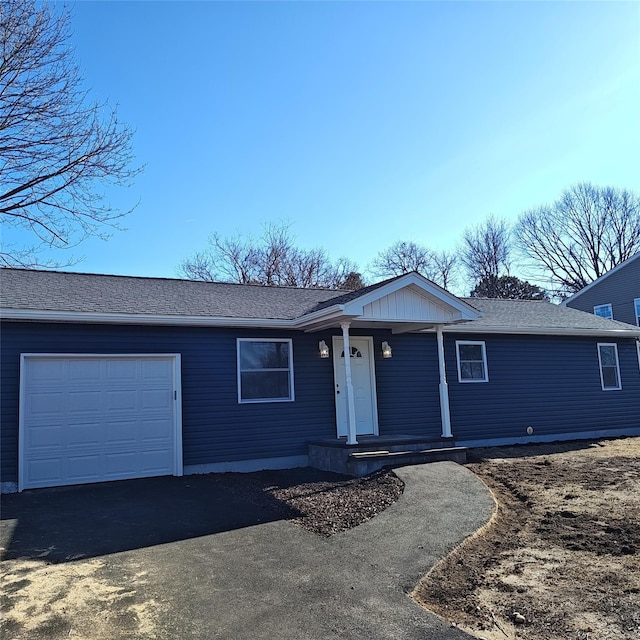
point(386, 349)
point(323, 348)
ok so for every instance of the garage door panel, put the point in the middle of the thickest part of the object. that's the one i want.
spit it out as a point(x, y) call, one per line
point(84, 370)
point(83, 434)
point(150, 370)
point(83, 402)
point(153, 431)
point(82, 468)
point(118, 432)
point(43, 403)
point(152, 461)
point(121, 400)
point(121, 370)
point(155, 399)
point(47, 370)
point(45, 435)
point(89, 419)
point(44, 472)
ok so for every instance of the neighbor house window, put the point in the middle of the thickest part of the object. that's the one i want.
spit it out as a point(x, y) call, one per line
point(265, 370)
point(636, 302)
point(472, 361)
point(604, 311)
point(609, 366)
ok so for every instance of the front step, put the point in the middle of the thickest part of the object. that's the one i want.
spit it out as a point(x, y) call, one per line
point(362, 463)
point(374, 453)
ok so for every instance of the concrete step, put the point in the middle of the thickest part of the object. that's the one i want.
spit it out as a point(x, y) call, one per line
point(361, 463)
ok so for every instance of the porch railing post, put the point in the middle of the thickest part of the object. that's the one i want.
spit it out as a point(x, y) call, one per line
point(445, 414)
point(351, 405)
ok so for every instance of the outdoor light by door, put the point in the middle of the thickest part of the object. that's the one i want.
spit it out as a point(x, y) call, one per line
point(386, 350)
point(324, 350)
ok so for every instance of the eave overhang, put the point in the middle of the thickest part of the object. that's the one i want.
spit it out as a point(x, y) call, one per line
point(140, 319)
point(542, 331)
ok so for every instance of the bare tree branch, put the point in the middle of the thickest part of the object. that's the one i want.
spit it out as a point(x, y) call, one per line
point(486, 250)
point(404, 257)
point(55, 144)
point(582, 235)
point(272, 260)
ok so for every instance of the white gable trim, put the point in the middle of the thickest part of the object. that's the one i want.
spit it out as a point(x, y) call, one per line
point(467, 312)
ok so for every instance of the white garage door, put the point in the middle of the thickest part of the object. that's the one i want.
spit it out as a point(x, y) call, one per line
point(97, 418)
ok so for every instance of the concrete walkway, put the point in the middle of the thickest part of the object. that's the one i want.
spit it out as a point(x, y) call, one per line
point(276, 581)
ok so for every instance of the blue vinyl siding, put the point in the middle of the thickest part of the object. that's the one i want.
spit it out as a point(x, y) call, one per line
point(216, 428)
point(407, 385)
point(549, 383)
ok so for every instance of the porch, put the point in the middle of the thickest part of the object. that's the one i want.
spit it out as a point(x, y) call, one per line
point(372, 453)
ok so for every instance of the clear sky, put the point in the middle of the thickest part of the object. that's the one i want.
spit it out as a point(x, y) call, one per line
point(361, 123)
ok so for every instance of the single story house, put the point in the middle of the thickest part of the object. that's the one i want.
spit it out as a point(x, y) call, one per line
point(614, 295)
point(112, 377)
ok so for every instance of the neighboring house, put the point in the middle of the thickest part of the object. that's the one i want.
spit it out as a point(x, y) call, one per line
point(615, 295)
point(111, 377)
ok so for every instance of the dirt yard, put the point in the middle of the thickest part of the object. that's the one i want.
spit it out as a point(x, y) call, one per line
point(561, 558)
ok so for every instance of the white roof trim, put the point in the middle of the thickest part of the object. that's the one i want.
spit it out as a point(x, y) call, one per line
point(134, 318)
point(635, 256)
point(542, 331)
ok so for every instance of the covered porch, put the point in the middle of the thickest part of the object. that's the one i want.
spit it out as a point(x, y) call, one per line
point(407, 304)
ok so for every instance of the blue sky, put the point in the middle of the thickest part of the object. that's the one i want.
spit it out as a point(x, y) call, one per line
point(361, 123)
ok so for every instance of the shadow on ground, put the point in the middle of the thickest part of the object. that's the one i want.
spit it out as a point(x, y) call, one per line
point(69, 523)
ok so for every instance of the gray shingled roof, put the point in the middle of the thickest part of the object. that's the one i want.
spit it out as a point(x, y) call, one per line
point(91, 293)
point(536, 314)
point(24, 289)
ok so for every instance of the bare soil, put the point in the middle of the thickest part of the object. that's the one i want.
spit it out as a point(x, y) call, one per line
point(561, 557)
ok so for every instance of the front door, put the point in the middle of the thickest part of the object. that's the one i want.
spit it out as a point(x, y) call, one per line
point(364, 385)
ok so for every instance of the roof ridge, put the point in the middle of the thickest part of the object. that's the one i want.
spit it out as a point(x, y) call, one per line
point(176, 279)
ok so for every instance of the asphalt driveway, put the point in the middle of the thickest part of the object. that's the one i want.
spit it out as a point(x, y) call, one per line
point(188, 558)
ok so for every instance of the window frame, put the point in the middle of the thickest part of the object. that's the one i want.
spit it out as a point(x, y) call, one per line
point(485, 366)
point(636, 306)
point(615, 348)
point(603, 306)
point(240, 371)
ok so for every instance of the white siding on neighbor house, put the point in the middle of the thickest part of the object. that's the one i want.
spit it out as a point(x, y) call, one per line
point(409, 305)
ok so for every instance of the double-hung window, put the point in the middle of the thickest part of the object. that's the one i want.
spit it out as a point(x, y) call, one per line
point(604, 311)
point(265, 370)
point(609, 366)
point(472, 361)
point(636, 303)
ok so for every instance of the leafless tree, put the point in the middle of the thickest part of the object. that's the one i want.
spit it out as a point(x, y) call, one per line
point(55, 144)
point(486, 250)
point(272, 259)
point(403, 257)
point(582, 235)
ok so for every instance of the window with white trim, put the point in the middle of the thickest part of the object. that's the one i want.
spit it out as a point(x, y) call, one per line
point(603, 311)
point(472, 361)
point(636, 303)
point(265, 370)
point(609, 366)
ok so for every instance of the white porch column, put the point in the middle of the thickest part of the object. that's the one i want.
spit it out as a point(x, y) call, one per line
point(444, 388)
point(351, 405)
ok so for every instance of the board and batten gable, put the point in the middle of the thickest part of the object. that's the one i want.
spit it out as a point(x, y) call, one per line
point(619, 288)
point(549, 383)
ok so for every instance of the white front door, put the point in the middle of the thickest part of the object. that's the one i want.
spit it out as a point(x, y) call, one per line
point(364, 386)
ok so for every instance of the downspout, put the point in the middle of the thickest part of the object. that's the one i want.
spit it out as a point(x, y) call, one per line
point(351, 405)
point(445, 414)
